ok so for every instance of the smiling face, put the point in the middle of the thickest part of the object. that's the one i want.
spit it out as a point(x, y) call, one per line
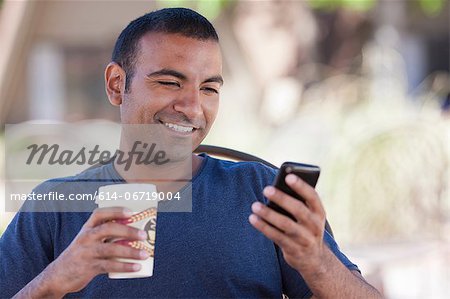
point(176, 85)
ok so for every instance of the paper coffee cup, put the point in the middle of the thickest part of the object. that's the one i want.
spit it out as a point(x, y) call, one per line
point(139, 198)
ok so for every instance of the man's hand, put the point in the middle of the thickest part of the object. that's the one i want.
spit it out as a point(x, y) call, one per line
point(301, 242)
point(89, 255)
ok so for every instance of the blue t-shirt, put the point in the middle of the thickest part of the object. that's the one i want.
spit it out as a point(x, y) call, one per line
point(212, 251)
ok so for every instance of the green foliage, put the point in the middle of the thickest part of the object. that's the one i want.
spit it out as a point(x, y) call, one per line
point(212, 8)
point(432, 7)
point(429, 7)
point(209, 8)
point(360, 5)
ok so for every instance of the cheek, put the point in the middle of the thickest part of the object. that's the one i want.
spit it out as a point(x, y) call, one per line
point(135, 109)
point(130, 114)
point(210, 108)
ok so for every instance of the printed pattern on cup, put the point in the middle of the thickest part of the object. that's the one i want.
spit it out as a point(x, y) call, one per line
point(145, 220)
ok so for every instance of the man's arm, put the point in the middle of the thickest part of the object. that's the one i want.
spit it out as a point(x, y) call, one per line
point(41, 287)
point(86, 257)
point(302, 242)
point(339, 282)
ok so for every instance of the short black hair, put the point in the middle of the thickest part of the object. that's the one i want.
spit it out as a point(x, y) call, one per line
point(182, 21)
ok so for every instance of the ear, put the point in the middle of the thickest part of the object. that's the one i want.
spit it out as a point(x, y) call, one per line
point(115, 79)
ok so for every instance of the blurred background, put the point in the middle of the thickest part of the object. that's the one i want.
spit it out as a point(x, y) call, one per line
point(359, 87)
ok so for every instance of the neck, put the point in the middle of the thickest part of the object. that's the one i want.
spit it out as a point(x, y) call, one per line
point(168, 177)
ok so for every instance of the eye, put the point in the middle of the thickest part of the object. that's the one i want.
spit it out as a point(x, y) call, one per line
point(210, 90)
point(169, 83)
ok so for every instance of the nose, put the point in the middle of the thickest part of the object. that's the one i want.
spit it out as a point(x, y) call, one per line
point(188, 103)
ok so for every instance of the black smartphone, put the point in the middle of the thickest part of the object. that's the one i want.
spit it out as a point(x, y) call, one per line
point(308, 173)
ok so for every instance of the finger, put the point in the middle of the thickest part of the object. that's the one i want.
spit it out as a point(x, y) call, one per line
point(297, 230)
point(117, 250)
point(290, 244)
point(304, 216)
point(282, 222)
point(111, 230)
point(107, 266)
point(307, 192)
point(102, 215)
point(292, 205)
point(271, 232)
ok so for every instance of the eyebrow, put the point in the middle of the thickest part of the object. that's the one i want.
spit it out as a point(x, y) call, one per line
point(181, 76)
point(217, 79)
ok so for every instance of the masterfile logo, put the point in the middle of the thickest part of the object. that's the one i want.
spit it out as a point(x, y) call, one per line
point(58, 153)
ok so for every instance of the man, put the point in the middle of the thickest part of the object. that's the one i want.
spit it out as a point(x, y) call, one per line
point(166, 71)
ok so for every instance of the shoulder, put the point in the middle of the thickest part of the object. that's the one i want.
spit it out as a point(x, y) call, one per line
point(96, 175)
point(71, 193)
point(255, 171)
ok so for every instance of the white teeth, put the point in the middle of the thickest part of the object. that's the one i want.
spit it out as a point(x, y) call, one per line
point(178, 128)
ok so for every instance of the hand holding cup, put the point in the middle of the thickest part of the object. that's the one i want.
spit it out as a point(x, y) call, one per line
point(89, 255)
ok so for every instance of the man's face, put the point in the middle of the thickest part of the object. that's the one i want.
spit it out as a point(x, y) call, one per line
point(176, 85)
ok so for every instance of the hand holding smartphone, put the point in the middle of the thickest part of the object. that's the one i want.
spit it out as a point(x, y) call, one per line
point(308, 173)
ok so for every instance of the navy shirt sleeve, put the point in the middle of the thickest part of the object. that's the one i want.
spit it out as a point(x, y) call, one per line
point(25, 251)
point(329, 240)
